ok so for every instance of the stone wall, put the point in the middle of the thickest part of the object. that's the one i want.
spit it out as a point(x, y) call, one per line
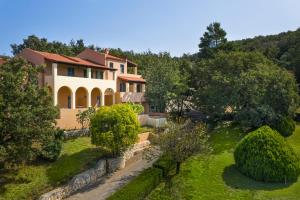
point(93, 175)
point(76, 133)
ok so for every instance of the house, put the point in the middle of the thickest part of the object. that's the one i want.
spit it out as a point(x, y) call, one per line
point(90, 79)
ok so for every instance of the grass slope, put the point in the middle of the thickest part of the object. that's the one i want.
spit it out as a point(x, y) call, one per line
point(30, 181)
point(215, 176)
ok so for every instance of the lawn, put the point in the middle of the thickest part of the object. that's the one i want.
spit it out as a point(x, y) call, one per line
point(30, 181)
point(215, 176)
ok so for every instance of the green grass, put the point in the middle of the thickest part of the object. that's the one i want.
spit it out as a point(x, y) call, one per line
point(139, 187)
point(215, 176)
point(144, 129)
point(31, 181)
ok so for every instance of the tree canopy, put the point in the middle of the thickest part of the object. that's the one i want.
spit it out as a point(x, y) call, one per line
point(27, 114)
point(212, 39)
point(247, 85)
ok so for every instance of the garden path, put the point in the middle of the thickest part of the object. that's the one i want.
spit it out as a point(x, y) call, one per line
point(113, 182)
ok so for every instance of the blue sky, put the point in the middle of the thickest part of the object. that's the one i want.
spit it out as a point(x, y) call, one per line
point(159, 25)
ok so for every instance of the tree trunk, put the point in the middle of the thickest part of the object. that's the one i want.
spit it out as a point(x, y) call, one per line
point(178, 167)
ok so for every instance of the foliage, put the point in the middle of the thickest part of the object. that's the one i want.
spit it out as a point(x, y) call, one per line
point(216, 177)
point(83, 117)
point(264, 155)
point(285, 126)
point(115, 128)
point(30, 181)
point(140, 187)
point(178, 98)
point(27, 114)
point(42, 44)
point(180, 141)
point(161, 73)
point(246, 85)
point(212, 40)
point(137, 108)
point(51, 148)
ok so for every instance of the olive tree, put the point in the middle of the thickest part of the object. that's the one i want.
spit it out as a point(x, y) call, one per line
point(180, 141)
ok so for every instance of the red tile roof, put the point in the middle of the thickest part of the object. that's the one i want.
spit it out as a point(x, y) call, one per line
point(110, 57)
point(70, 60)
point(132, 79)
point(2, 61)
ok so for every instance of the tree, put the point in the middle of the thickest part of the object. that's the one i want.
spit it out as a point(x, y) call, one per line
point(178, 98)
point(248, 86)
point(161, 73)
point(180, 141)
point(42, 44)
point(83, 117)
point(212, 40)
point(27, 113)
point(115, 128)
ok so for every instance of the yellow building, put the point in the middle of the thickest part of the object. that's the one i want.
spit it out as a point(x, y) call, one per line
point(89, 79)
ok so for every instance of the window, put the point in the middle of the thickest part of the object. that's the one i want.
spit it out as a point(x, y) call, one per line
point(69, 101)
point(111, 65)
point(139, 87)
point(122, 87)
point(99, 74)
point(122, 68)
point(114, 75)
point(71, 71)
point(85, 73)
point(92, 73)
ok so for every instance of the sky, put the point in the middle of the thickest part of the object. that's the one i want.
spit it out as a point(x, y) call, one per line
point(174, 26)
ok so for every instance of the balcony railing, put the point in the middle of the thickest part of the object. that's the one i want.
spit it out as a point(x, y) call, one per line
point(136, 97)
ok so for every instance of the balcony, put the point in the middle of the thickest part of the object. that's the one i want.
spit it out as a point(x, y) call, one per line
point(136, 97)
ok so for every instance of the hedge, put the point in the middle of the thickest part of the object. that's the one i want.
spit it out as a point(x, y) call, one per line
point(264, 155)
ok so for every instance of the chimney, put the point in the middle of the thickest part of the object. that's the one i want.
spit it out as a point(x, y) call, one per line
point(106, 51)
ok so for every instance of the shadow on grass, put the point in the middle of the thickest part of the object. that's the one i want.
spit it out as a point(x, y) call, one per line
point(68, 166)
point(234, 179)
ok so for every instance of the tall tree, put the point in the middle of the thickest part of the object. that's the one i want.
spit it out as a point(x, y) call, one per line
point(161, 73)
point(42, 44)
point(27, 113)
point(212, 40)
point(249, 86)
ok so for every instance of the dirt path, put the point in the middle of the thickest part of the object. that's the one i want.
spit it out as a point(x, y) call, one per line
point(113, 182)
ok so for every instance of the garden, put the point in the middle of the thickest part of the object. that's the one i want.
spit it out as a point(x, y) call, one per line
point(214, 176)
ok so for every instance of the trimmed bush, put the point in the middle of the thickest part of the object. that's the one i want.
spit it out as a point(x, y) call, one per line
point(115, 128)
point(286, 126)
point(264, 155)
point(139, 187)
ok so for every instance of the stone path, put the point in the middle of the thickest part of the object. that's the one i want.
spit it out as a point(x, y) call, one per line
point(113, 182)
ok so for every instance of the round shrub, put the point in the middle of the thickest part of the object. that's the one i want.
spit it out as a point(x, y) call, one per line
point(285, 126)
point(114, 128)
point(264, 155)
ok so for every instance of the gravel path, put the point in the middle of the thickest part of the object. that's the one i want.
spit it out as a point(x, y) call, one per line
point(113, 182)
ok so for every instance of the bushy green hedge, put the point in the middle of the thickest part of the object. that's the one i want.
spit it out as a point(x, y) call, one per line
point(140, 187)
point(115, 128)
point(264, 155)
point(165, 164)
point(285, 126)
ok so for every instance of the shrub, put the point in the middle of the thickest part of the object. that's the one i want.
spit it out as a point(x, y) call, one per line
point(285, 126)
point(115, 128)
point(264, 155)
point(139, 187)
point(83, 117)
point(51, 149)
point(137, 108)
